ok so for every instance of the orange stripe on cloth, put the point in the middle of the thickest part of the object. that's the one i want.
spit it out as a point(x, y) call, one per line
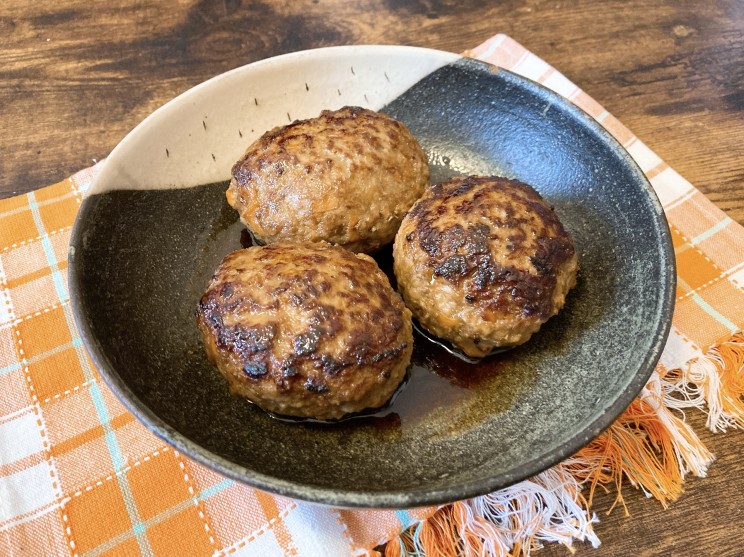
point(271, 512)
point(89, 435)
point(37, 274)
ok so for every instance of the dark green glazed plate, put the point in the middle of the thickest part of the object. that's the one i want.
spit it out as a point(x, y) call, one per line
point(155, 225)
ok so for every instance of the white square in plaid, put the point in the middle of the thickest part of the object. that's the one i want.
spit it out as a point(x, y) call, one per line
point(25, 491)
point(678, 350)
point(670, 186)
point(317, 530)
point(560, 84)
point(644, 156)
point(19, 438)
point(43, 535)
point(531, 67)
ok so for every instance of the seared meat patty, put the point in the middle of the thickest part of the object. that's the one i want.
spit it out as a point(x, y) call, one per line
point(306, 330)
point(346, 177)
point(483, 262)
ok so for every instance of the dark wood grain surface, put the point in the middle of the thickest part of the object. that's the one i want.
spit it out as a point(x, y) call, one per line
point(76, 76)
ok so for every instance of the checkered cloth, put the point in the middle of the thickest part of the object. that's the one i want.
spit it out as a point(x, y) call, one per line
point(79, 475)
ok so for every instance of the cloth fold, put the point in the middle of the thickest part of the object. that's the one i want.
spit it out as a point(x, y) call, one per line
point(79, 475)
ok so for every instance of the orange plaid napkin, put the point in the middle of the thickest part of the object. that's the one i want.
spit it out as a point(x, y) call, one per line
point(79, 475)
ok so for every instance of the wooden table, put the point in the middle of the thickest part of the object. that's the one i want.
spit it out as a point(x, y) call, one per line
point(76, 76)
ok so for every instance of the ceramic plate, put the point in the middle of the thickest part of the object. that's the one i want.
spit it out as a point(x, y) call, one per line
point(155, 226)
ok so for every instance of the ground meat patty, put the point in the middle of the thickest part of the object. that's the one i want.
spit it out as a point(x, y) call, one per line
point(346, 177)
point(483, 262)
point(306, 330)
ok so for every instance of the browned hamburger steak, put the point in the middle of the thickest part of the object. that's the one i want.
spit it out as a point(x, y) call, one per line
point(346, 177)
point(483, 262)
point(306, 330)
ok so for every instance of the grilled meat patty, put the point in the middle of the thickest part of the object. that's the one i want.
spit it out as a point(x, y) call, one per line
point(483, 262)
point(346, 177)
point(306, 330)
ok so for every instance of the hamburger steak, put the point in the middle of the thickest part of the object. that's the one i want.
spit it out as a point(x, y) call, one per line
point(483, 262)
point(306, 330)
point(346, 177)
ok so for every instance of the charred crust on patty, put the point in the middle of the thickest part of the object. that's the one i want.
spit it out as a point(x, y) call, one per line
point(483, 262)
point(291, 331)
point(254, 369)
point(462, 254)
point(316, 386)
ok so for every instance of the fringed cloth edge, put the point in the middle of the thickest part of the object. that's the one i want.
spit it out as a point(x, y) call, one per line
point(650, 445)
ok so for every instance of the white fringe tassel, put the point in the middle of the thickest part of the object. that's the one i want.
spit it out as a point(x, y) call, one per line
point(701, 383)
point(692, 455)
point(545, 508)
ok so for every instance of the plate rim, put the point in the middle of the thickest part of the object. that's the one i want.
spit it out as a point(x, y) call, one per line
point(384, 498)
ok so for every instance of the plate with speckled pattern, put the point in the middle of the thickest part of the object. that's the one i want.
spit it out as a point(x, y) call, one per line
point(155, 225)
